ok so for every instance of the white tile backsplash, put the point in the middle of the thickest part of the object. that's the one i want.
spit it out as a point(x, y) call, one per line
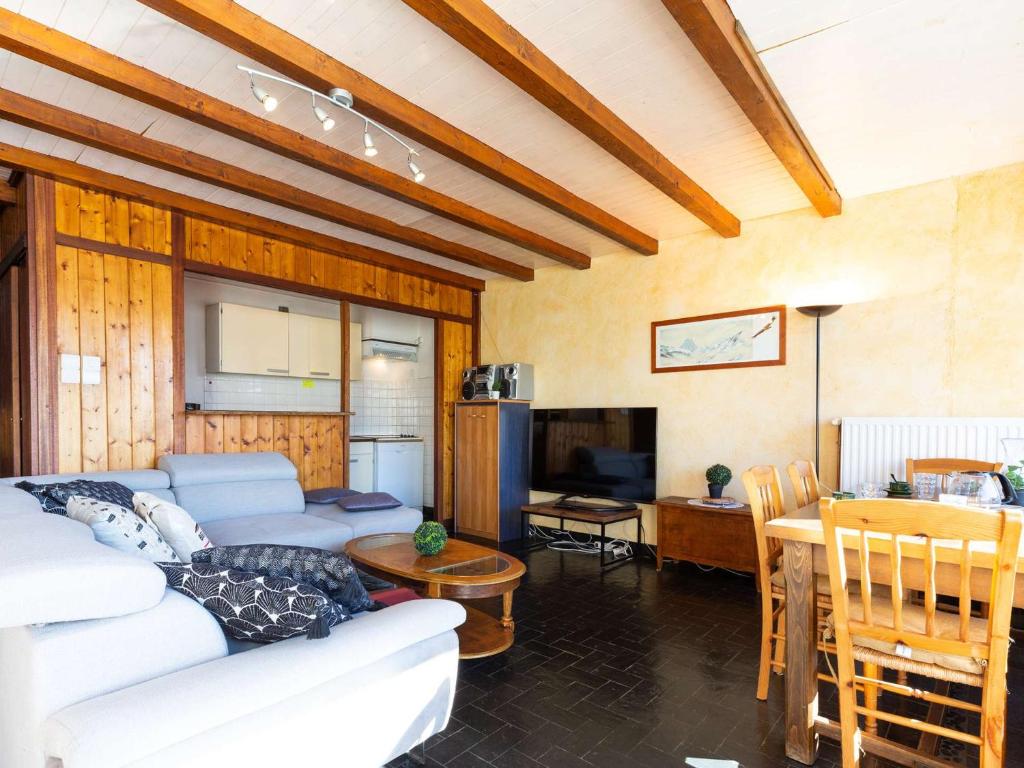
point(385, 407)
point(240, 392)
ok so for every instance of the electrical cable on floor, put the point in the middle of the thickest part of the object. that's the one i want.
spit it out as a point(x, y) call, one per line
point(565, 541)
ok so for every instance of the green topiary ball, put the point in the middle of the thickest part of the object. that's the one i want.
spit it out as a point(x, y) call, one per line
point(430, 538)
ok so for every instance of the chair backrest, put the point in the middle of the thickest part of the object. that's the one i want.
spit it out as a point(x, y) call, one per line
point(804, 478)
point(943, 467)
point(905, 533)
point(764, 489)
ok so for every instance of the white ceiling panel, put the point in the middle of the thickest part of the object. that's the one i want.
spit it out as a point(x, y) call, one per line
point(893, 94)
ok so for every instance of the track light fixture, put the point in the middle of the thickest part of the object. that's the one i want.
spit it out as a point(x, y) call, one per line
point(417, 175)
point(368, 146)
point(269, 102)
point(325, 120)
point(336, 97)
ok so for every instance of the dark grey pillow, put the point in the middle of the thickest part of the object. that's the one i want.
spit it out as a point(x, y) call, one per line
point(329, 572)
point(53, 497)
point(328, 495)
point(368, 502)
point(250, 606)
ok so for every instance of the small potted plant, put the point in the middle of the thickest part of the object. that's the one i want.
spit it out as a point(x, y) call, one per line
point(430, 538)
point(718, 476)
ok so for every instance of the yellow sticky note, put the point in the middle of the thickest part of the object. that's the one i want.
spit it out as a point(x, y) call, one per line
point(308, 383)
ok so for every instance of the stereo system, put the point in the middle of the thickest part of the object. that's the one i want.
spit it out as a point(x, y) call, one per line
point(509, 381)
point(478, 382)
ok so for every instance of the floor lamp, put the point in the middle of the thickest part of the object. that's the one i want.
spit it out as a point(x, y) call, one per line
point(818, 311)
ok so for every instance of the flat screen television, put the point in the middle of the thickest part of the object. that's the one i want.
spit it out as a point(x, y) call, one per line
point(606, 452)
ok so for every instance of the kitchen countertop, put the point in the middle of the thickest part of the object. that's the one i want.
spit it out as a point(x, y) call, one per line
point(383, 438)
point(269, 413)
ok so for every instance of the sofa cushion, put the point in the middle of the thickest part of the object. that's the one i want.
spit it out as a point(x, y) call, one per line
point(15, 502)
point(136, 479)
point(53, 497)
point(331, 573)
point(368, 502)
point(221, 501)
point(302, 530)
point(274, 691)
point(183, 534)
point(397, 520)
point(216, 468)
point(254, 607)
point(121, 529)
point(52, 569)
point(328, 495)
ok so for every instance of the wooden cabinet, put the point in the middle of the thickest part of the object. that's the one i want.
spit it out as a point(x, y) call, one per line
point(492, 453)
point(241, 339)
point(266, 342)
point(314, 347)
point(717, 537)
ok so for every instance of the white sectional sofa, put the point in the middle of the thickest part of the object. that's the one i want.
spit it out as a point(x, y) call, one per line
point(102, 666)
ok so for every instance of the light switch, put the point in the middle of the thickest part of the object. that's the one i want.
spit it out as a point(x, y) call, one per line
point(90, 369)
point(70, 369)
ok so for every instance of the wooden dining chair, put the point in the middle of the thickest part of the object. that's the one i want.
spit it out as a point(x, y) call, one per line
point(872, 537)
point(804, 478)
point(764, 490)
point(943, 467)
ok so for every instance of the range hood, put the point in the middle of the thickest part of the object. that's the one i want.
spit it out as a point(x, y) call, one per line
point(391, 350)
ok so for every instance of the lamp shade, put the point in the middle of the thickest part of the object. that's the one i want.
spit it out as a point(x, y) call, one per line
point(819, 310)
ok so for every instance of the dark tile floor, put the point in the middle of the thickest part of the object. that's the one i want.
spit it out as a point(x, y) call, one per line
point(631, 669)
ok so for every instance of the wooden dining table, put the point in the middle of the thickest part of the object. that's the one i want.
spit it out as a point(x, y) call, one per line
point(803, 543)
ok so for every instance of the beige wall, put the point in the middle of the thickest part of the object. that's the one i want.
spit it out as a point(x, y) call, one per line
point(932, 279)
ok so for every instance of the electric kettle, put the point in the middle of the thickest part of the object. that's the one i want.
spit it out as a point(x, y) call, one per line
point(983, 488)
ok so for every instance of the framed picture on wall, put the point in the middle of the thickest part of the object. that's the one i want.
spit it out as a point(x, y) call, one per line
point(742, 339)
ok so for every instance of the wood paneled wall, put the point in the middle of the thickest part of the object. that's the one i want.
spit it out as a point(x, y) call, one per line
point(12, 248)
point(117, 286)
point(117, 309)
point(454, 343)
point(228, 248)
point(313, 443)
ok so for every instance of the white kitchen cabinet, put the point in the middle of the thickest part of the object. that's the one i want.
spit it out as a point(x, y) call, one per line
point(314, 347)
point(355, 351)
point(360, 466)
point(324, 348)
point(241, 339)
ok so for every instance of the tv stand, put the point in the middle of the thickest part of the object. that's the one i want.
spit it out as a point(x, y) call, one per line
point(582, 516)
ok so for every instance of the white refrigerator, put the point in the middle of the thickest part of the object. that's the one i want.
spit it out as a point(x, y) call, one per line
point(398, 470)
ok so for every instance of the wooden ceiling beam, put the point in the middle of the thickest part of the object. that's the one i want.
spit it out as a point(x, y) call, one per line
point(68, 54)
point(93, 178)
point(236, 27)
point(124, 143)
point(716, 33)
point(484, 33)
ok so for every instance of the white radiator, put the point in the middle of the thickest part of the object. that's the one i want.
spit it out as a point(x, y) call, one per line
point(871, 448)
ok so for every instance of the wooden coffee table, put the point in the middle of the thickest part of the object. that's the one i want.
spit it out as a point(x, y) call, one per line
point(461, 571)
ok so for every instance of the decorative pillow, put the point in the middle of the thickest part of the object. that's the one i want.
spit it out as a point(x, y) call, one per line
point(249, 606)
point(328, 495)
point(53, 497)
point(368, 502)
point(120, 528)
point(328, 572)
point(175, 525)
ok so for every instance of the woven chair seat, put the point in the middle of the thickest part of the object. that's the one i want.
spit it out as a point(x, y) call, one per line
point(922, 662)
point(913, 667)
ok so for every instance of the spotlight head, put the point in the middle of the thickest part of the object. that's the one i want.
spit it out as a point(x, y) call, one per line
point(368, 148)
point(269, 102)
point(325, 120)
point(417, 175)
